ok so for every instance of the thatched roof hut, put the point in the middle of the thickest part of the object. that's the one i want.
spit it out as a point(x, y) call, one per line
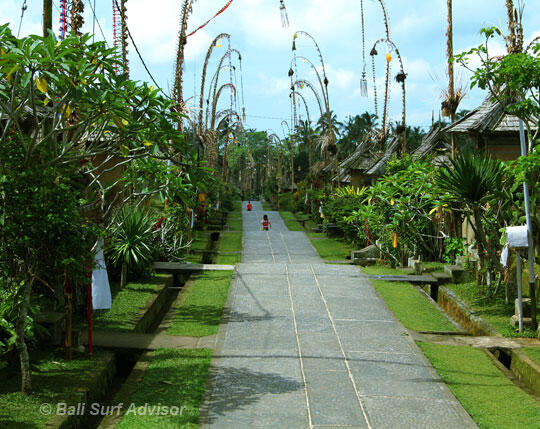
point(492, 129)
point(379, 168)
point(435, 145)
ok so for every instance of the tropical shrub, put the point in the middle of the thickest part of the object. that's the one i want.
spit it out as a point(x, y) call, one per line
point(131, 240)
point(404, 210)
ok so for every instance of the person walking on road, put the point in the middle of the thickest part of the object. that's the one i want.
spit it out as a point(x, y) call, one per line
point(266, 225)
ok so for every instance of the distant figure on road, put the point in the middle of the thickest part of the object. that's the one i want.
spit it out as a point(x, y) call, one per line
point(249, 206)
point(266, 225)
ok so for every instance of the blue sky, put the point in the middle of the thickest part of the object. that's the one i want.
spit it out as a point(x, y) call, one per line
point(417, 27)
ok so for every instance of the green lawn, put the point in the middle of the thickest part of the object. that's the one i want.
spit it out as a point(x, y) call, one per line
point(123, 315)
point(199, 242)
point(489, 397)
point(290, 221)
point(493, 311)
point(202, 306)
point(230, 242)
point(54, 380)
point(174, 378)
point(411, 308)
point(330, 248)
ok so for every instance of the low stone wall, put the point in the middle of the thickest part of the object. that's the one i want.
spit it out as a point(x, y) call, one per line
point(462, 313)
point(526, 370)
point(149, 314)
point(521, 365)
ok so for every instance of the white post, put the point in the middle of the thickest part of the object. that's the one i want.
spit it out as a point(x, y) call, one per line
point(520, 298)
point(528, 217)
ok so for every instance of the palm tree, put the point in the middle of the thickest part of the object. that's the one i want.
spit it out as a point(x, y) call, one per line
point(334, 125)
point(354, 129)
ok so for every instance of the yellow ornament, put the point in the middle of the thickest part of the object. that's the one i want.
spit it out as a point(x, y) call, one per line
point(395, 240)
point(388, 57)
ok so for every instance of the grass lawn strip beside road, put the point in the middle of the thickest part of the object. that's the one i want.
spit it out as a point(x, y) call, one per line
point(174, 378)
point(408, 304)
point(290, 221)
point(491, 399)
point(330, 249)
point(54, 380)
point(202, 305)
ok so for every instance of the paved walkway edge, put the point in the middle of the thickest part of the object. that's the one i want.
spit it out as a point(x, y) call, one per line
point(214, 365)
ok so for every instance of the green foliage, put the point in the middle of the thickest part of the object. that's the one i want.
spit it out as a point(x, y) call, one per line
point(131, 238)
point(453, 247)
point(406, 202)
point(471, 178)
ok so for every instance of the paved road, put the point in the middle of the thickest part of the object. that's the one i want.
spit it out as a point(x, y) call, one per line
point(311, 345)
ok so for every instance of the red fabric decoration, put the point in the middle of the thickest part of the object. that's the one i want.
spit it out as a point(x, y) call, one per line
point(207, 22)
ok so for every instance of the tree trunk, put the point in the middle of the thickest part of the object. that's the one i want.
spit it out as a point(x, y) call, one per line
point(123, 276)
point(47, 17)
point(26, 375)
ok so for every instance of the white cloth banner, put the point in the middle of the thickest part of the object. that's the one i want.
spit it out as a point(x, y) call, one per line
point(504, 256)
point(101, 290)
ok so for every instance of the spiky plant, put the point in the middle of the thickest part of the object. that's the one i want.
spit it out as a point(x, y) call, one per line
point(131, 240)
point(471, 180)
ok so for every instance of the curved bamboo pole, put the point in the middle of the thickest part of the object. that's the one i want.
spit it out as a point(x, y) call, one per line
point(187, 8)
point(310, 151)
point(402, 81)
point(203, 78)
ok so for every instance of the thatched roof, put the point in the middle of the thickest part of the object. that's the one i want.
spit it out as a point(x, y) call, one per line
point(379, 167)
point(318, 168)
point(489, 117)
point(436, 142)
point(362, 158)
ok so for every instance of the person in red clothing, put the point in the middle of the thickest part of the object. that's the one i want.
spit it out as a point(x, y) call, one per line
point(266, 225)
point(249, 206)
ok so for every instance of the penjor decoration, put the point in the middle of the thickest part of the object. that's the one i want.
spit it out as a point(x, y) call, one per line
point(284, 16)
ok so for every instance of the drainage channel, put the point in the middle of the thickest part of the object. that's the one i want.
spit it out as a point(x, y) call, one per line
point(125, 360)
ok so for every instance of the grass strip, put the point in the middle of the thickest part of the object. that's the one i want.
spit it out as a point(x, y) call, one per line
point(229, 241)
point(330, 248)
point(411, 308)
point(199, 242)
point(491, 399)
point(54, 380)
point(202, 305)
point(290, 221)
point(124, 312)
point(174, 378)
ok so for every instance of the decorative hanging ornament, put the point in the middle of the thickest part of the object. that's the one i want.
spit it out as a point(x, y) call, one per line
point(284, 17)
point(395, 240)
point(388, 56)
point(363, 85)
